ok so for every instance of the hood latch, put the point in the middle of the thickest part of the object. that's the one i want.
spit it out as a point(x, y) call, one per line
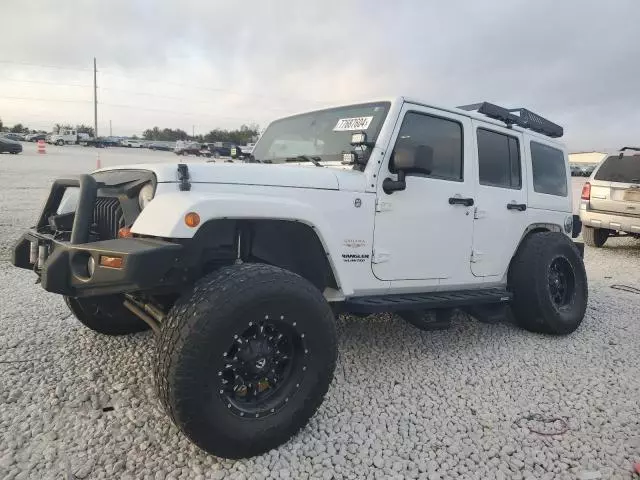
point(183, 177)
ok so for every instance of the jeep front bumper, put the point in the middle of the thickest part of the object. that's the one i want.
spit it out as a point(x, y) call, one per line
point(77, 268)
point(64, 267)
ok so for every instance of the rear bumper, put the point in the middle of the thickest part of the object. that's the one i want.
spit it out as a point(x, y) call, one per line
point(611, 221)
point(63, 266)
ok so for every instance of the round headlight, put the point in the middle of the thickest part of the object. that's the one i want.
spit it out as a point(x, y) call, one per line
point(145, 195)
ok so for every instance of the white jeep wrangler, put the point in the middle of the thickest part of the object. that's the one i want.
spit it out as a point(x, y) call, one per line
point(240, 269)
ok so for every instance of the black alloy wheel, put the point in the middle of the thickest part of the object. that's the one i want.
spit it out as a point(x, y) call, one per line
point(561, 282)
point(264, 367)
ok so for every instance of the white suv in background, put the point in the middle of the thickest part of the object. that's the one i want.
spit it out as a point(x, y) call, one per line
point(610, 205)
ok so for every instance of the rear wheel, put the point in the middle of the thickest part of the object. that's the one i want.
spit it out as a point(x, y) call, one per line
point(105, 315)
point(245, 359)
point(549, 284)
point(60, 143)
point(595, 237)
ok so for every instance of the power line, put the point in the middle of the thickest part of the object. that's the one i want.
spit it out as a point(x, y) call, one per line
point(135, 107)
point(59, 67)
point(45, 99)
point(161, 82)
point(20, 80)
point(136, 92)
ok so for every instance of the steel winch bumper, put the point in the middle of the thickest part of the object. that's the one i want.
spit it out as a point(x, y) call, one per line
point(78, 268)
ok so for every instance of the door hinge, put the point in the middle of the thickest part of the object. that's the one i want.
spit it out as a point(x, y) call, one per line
point(479, 213)
point(380, 256)
point(476, 256)
point(382, 206)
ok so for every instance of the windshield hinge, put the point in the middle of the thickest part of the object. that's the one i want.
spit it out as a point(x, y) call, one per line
point(382, 206)
point(380, 256)
point(183, 177)
point(476, 256)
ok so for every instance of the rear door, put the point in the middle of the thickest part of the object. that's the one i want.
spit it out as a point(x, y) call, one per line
point(500, 215)
point(616, 185)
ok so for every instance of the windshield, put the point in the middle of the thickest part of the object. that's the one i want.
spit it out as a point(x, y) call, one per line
point(323, 135)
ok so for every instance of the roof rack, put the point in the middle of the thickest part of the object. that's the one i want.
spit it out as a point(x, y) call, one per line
point(621, 152)
point(517, 116)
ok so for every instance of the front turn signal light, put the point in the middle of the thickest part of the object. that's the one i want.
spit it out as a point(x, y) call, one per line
point(192, 219)
point(111, 262)
point(125, 232)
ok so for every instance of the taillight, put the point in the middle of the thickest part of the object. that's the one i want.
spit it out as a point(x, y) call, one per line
point(586, 191)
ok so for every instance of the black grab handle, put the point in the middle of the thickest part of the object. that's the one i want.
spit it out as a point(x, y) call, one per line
point(467, 202)
point(517, 206)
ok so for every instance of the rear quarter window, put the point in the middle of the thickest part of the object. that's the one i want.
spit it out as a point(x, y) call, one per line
point(616, 169)
point(549, 170)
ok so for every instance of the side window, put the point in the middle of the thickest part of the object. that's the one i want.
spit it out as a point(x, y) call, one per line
point(549, 171)
point(440, 137)
point(498, 159)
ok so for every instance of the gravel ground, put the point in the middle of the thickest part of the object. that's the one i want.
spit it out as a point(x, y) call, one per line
point(465, 403)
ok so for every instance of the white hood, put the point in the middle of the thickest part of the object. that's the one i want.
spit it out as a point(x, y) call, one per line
point(295, 176)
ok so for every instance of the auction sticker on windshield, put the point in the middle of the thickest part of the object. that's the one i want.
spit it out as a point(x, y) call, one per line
point(355, 123)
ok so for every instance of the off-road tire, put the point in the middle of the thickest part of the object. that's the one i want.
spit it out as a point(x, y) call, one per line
point(530, 280)
point(428, 320)
point(195, 338)
point(595, 237)
point(105, 315)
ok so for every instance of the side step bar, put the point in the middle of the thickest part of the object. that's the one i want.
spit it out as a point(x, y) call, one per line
point(426, 301)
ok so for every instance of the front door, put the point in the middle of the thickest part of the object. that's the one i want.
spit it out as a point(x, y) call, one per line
point(425, 231)
point(500, 216)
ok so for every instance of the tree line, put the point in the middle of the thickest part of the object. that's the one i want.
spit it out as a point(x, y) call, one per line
point(20, 128)
point(241, 136)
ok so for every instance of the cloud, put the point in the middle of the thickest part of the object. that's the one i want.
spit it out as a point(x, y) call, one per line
point(212, 64)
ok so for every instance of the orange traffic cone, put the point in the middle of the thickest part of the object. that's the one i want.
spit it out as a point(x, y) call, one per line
point(41, 146)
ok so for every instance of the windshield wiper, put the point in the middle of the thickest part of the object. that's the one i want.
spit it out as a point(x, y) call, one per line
point(306, 158)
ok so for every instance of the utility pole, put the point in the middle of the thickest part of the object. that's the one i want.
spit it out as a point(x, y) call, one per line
point(95, 99)
point(110, 131)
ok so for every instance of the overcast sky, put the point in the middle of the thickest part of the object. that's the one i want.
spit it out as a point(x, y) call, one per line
point(206, 64)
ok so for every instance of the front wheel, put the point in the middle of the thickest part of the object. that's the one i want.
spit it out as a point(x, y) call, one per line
point(60, 143)
point(244, 359)
point(549, 284)
point(106, 315)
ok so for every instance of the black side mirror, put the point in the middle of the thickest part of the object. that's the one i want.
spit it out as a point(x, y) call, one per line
point(405, 161)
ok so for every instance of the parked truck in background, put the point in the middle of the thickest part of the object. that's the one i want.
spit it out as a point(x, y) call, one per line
point(68, 137)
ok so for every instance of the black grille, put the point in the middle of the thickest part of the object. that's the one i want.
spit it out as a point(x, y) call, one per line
point(107, 218)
